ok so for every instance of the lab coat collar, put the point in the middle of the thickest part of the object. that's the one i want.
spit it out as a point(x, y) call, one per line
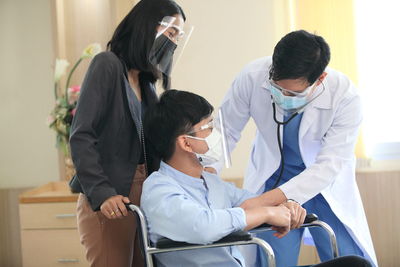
point(265, 85)
point(324, 101)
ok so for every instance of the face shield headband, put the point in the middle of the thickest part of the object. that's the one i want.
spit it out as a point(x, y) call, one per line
point(169, 43)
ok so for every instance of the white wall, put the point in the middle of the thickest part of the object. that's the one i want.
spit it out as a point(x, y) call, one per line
point(27, 147)
point(228, 34)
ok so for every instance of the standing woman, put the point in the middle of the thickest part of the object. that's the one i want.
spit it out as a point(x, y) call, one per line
point(108, 147)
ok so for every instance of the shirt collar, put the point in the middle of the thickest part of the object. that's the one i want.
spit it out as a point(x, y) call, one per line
point(181, 177)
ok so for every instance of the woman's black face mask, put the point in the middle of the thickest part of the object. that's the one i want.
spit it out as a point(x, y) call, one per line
point(162, 54)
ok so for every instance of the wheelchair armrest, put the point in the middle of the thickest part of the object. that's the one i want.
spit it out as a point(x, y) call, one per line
point(310, 217)
point(235, 236)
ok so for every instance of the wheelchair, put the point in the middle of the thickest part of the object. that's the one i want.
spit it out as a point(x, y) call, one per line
point(234, 239)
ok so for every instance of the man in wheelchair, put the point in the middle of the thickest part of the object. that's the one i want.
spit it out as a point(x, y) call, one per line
point(184, 203)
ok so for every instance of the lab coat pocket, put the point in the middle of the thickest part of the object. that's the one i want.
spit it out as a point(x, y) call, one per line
point(310, 150)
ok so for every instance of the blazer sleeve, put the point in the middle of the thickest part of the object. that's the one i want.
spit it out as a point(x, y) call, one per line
point(91, 110)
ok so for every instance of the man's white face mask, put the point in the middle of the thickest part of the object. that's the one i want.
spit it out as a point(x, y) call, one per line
point(215, 150)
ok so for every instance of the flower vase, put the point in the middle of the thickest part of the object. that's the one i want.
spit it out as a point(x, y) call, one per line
point(66, 166)
point(69, 168)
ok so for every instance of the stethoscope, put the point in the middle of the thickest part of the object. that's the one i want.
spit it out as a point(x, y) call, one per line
point(278, 131)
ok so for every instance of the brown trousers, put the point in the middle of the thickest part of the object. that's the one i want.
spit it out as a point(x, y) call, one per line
point(111, 242)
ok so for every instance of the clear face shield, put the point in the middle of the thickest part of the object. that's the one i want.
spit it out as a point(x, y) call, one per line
point(170, 41)
point(290, 102)
point(217, 142)
point(220, 125)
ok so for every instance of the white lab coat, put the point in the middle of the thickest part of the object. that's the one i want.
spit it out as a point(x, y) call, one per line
point(327, 136)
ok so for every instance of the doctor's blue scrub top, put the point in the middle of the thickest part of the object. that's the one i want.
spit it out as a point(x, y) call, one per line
point(294, 164)
point(193, 210)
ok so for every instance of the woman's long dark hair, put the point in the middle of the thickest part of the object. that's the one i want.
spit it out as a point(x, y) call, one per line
point(134, 37)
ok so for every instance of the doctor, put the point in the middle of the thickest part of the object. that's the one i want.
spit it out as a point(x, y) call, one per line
point(307, 118)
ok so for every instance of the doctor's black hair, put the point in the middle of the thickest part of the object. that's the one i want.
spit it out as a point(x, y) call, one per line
point(300, 54)
point(175, 114)
point(134, 37)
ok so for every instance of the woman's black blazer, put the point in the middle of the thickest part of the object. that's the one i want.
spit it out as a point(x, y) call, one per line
point(105, 140)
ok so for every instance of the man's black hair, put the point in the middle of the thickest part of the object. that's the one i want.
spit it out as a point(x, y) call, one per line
point(134, 37)
point(299, 54)
point(175, 114)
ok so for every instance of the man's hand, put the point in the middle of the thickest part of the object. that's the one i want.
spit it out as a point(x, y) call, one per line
point(114, 207)
point(297, 214)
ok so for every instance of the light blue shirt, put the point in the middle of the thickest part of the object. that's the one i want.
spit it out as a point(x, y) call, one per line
point(193, 210)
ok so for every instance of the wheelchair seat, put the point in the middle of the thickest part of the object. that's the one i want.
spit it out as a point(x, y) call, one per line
point(164, 245)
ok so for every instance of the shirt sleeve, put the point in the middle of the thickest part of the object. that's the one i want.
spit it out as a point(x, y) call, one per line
point(237, 195)
point(173, 214)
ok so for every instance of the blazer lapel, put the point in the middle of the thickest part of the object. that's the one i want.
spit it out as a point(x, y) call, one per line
point(134, 107)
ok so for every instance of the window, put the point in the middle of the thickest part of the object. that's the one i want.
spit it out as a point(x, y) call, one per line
point(378, 61)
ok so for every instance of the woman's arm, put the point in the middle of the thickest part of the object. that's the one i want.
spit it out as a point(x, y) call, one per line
point(91, 110)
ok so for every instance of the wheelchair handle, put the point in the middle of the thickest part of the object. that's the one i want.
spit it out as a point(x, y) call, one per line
point(310, 217)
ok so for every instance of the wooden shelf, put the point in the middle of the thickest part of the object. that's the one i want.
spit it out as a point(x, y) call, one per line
point(51, 192)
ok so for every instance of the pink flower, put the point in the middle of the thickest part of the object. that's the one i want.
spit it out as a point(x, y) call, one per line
point(73, 112)
point(73, 94)
point(74, 89)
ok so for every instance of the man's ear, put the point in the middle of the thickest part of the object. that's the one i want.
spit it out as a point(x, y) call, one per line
point(183, 143)
point(321, 78)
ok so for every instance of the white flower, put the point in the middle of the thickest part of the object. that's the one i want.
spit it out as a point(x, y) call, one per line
point(91, 50)
point(61, 67)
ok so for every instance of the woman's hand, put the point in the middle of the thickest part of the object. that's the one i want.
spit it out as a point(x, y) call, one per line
point(114, 207)
point(297, 214)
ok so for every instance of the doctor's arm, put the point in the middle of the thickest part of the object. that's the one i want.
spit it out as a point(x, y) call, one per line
point(297, 212)
point(336, 153)
point(257, 213)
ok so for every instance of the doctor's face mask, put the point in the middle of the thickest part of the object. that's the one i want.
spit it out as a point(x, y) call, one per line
point(289, 100)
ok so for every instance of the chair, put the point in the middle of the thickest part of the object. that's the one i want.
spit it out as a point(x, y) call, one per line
point(234, 239)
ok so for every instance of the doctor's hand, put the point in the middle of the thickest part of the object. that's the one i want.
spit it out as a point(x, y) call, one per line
point(114, 207)
point(279, 217)
point(297, 214)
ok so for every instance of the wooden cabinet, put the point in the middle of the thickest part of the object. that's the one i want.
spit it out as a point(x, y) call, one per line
point(49, 235)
